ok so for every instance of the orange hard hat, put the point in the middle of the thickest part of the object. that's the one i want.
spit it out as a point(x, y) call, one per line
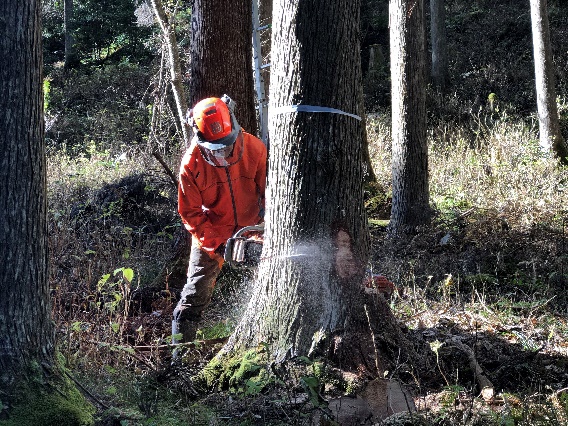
point(214, 122)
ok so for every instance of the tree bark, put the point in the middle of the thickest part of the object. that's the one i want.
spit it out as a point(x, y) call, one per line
point(26, 331)
point(28, 371)
point(308, 298)
point(221, 56)
point(550, 134)
point(410, 196)
point(439, 44)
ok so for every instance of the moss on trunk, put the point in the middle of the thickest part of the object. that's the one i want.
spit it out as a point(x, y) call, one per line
point(53, 401)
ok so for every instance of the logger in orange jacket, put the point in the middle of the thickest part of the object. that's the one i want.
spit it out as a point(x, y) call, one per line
point(222, 180)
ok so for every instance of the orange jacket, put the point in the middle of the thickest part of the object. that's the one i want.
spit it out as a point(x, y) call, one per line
point(214, 202)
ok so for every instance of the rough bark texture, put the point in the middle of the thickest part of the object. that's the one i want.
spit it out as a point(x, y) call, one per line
point(410, 197)
point(26, 332)
point(308, 295)
point(221, 55)
point(439, 44)
point(550, 135)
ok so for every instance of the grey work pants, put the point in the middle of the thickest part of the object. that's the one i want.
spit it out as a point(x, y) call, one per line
point(196, 294)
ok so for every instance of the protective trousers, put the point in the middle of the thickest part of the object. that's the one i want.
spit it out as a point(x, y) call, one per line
point(196, 294)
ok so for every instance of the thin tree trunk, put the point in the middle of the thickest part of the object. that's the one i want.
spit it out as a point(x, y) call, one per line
point(410, 197)
point(169, 35)
point(68, 23)
point(265, 12)
point(439, 44)
point(550, 135)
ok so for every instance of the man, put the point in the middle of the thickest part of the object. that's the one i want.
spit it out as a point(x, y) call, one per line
point(222, 180)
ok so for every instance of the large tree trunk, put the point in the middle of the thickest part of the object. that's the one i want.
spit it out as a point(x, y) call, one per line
point(550, 135)
point(410, 197)
point(308, 295)
point(26, 331)
point(439, 45)
point(221, 55)
point(25, 328)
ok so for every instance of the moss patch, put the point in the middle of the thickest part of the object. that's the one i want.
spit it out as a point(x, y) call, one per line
point(244, 372)
point(57, 403)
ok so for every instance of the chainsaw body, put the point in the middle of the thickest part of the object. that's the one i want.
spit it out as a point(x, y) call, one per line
point(245, 247)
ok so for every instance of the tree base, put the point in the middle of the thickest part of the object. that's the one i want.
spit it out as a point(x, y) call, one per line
point(52, 401)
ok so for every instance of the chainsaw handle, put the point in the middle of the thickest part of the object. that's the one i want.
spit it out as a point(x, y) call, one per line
point(252, 228)
point(234, 247)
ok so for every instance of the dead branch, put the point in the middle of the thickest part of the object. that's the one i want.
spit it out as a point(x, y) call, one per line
point(487, 388)
point(167, 169)
point(175, 67)
point(87, 393)
point(183, 345)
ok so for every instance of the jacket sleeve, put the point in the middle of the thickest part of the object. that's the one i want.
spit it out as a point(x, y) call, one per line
point(192, 215)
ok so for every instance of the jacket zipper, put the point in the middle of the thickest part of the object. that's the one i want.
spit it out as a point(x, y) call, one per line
point(232, 200)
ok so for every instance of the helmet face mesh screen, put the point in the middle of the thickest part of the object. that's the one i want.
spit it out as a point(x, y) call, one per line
point(225, 156)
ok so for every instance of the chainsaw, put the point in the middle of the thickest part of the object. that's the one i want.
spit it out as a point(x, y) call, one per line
point(245, 247)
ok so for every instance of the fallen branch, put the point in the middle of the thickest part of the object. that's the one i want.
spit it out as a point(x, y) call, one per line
point(87, 393)
point(487, 388)
point(127, 350)
point(182, 345)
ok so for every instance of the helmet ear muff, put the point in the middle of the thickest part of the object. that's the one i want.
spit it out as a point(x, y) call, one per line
point(231, 104)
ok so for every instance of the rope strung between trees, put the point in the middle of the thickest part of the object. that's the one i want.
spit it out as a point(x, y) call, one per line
point(311, 108)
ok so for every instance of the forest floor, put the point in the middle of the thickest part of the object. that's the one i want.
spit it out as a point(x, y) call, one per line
point(477, 282)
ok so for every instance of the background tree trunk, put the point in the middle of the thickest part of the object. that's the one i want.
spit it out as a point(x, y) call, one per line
point(309, 288)
point(439, 44)
point(221, 56)
point(71, 59)
point(550, 135)
point(410, 193)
